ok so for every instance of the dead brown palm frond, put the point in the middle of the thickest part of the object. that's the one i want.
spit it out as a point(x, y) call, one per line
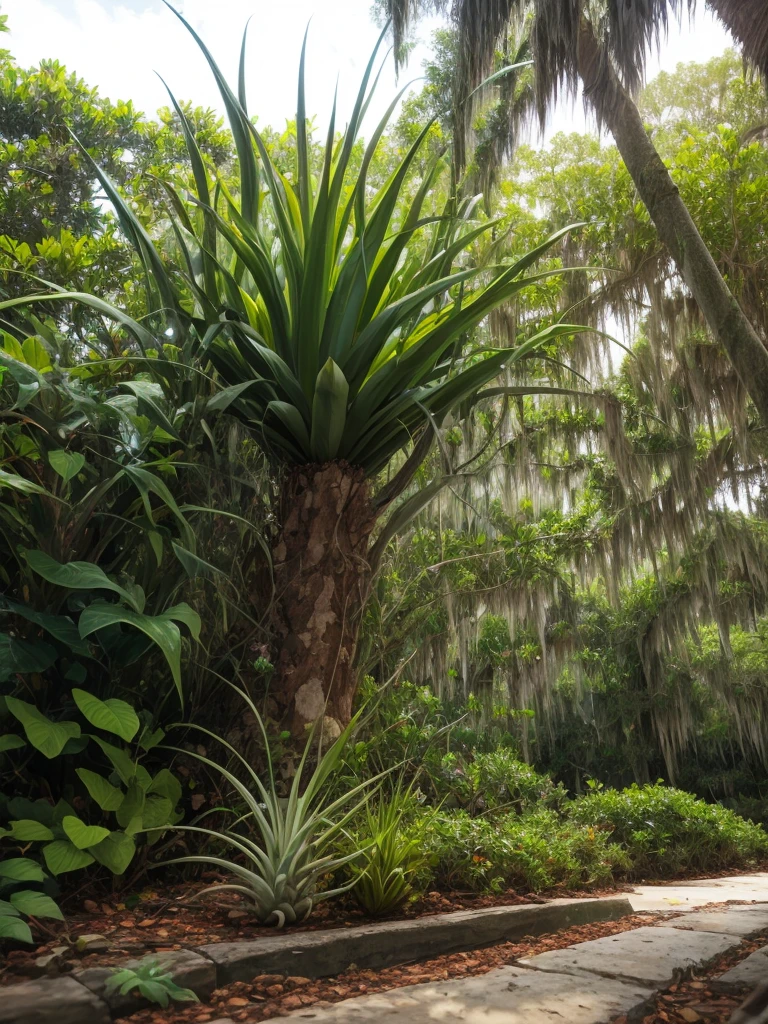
point(747, 21)
point(626, 29)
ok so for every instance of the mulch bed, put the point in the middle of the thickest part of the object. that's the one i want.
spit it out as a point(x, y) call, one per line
point(697, 1000)
point(272, 995)
point(158, 920)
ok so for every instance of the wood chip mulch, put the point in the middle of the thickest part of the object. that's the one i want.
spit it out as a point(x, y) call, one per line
point(699, 1000)
point(272, 995)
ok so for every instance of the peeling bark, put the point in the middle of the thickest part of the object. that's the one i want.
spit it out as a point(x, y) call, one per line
point(727, 321)
point(321, 580)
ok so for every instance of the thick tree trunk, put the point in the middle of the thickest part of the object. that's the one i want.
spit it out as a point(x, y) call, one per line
point(321, 580)
point(616, 109)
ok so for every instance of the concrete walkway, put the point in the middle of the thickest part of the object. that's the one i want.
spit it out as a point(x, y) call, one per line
point(699, 892)
point(589, 983)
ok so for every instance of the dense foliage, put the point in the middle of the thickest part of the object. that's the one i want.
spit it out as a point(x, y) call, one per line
point(568, 591)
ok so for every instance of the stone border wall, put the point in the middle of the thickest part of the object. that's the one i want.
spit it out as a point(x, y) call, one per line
point(80, 997)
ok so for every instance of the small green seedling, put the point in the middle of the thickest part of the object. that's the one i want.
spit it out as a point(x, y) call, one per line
point(152, 981)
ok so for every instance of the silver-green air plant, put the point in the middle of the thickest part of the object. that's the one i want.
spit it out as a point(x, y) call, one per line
point(282, 846)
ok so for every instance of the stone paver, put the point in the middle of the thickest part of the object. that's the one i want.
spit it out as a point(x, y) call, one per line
point(697, 893)
point(750, 972)
point(508, 995)
point(62, 1000)
point(650, 956)
point(741, 921)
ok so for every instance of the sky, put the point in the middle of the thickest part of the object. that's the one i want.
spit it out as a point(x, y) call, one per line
point(119, 45)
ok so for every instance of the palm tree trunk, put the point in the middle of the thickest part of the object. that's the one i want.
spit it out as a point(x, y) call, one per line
point(321, 579)
point(616, 109)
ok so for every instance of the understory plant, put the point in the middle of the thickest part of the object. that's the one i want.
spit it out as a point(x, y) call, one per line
point(530, 852)
point(667, 832)
point(151, 980)
point(18, 901)
point(282, 847)
point(391, 860)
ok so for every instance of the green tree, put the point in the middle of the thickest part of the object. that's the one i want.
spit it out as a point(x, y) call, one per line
point(55, 223)
point(599, 532)
point(340, 326)
point(603, 48)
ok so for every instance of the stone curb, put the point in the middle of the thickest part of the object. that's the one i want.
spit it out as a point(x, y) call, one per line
point(320, 954)
point(79, 997)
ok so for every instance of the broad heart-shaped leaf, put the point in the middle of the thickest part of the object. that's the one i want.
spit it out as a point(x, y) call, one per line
point(112, 715)
point(29, 831)
point(7, 909)
point(36, 904)
point(59, 626)
point(157, 812)
point(15, 929)
point(115, 852)
point(19, 656)
point(132, 807)
point(66, 464)
point(63, 856)
point(46, 736)
point(11, 742)
point(162, 629)
point(82, 835)
point(76, 576)
point(40, 810)
point(107, 796)
point(121, 762)
point(36, 354)
point(166, 784)
point(21, 869)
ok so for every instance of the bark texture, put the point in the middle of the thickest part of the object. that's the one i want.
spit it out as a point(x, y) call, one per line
point(321, 579)
point(616, 109)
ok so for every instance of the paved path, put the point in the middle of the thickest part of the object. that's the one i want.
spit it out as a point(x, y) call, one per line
point(690, 895)
point(590, 983)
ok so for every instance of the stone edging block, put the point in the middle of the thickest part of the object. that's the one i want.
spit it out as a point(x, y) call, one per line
point(188, 969)
point(79, 997)
point(46, 1000)
point(320, 954)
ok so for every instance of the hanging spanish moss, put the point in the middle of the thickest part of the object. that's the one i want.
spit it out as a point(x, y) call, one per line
point(594, 542)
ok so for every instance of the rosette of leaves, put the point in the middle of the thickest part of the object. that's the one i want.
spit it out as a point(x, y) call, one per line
point(282, 847)
point(386, 871)
point(151, 980)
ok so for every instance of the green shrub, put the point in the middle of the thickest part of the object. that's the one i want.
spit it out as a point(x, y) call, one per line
point(667, 832)
point(535, 851)
point(113, 811)
point(391, 859)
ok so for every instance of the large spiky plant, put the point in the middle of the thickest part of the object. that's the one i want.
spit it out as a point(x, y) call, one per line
point(338, 318)
point(602, 45)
